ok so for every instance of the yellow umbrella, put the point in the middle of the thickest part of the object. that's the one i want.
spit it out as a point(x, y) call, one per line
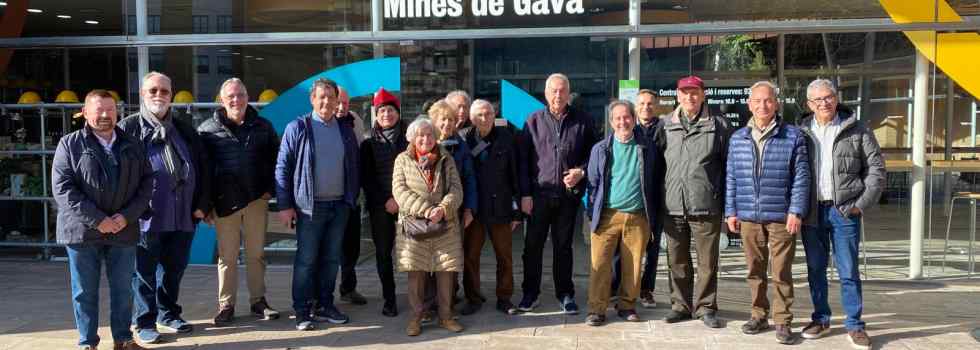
point(29, 97)
point(66, 96)
point(183, 96)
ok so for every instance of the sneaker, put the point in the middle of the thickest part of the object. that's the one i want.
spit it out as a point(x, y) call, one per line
point(225, 316)
point(176, 325)
point(646, 299)
point(127, 345)
point(677, 316)
point(595, 320)
point(148, 335)
point(629, 315)
point(755, 325)
point(859, 339)
point(568, 306)
point(470, 308)
point(354, 298)
point(527, 304)
point(506, 307)
point(451, 325)
point(390, 309)
point(784, 334)
point(262, 309)
point(711, 320)
point(304, 323)
point(330, 314)
point(414, 327)
point(815, 330)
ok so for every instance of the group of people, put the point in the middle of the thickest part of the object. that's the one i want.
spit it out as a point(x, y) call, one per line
point(130, 195)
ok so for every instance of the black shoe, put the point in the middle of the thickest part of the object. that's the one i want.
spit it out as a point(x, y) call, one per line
point(225, 316)
point(330, 314)
point(262, 309)
point(304, 323)
point(710, 320)
point(568, 306)
point(470, 308)
point(595, 320)
point(755, 325)
point(354, 298)
point(784, 334)
point(677, 316)
point(506, 307)
point(527, 304)
point(389, 309)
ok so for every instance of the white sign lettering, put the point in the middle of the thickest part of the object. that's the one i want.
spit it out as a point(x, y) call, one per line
point(479, 8)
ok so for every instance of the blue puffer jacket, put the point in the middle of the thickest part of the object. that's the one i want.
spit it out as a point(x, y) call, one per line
point(781, 185)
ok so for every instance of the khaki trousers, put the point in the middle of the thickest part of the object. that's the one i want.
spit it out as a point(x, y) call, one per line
point(770, 245)
point(501, 237)
point(248, 223)
point(685, 295)
point(417, 281)
point(630, 232)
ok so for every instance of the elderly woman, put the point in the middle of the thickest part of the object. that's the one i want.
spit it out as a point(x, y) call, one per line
point(426, 185)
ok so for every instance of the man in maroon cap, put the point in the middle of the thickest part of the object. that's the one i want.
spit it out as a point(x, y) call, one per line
point(695, 146)
point(378, 152)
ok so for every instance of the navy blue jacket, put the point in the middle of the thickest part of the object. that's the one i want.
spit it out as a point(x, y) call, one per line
point(295, 166)
point(467, 175)
point(651, 175)
point(546, 155)
point(766, 193)
point(80, 185)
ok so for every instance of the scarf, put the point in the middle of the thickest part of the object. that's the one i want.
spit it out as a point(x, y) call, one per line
point(426, 162)
point(162, 133)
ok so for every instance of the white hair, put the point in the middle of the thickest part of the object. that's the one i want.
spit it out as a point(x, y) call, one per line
point(481, 103)
point(155, 74)
point(417, 126)
point(232, 81)
point(820, 83)
point(456, 93)
point(557, 76)
point(764, 83)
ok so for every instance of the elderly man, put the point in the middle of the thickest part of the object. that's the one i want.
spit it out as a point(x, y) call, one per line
point(553, 158)
point(317, 185)
point(460, 101)
point(494, 151)
point(102, 182)
point(623, 203)
point(352, 231)
point(242, 147)
point(694, 144)
point(179, 201)
point(849, 176)
point(767, 196)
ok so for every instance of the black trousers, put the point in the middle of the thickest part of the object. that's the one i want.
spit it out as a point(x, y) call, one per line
point(352, 251)
point(557, 216)
point(383, 235)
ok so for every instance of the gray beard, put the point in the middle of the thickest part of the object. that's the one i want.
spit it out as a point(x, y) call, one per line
point(155, 109)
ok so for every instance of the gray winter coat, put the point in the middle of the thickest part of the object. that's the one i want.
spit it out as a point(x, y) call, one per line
point(695, 161)
point(859, 171)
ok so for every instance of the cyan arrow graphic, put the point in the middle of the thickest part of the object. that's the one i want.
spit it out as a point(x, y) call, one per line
point(359, 79)
point(516, 105)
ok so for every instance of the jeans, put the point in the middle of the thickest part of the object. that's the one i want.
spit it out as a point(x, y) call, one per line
point(842, 235)
point(319, 241)
point(161, 258)
point(555, 216)
point(85, 264)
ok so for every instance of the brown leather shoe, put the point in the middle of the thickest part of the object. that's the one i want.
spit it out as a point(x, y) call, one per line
point(414, 327)
point(127, 345)
point(224, 316)
point(859, 339)
point(451, 325)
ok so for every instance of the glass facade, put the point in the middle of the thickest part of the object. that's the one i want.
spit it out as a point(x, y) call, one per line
point(446, 45)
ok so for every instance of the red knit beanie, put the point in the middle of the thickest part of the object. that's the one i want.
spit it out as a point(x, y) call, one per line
point(385, 98)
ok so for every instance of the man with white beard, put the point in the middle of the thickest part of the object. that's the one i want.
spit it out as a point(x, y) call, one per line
point(178, 203)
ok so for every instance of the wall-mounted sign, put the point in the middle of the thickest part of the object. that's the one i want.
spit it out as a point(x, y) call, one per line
point(628, 90)
point(479, 8)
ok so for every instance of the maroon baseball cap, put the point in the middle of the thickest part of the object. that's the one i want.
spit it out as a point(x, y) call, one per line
point(689, 82)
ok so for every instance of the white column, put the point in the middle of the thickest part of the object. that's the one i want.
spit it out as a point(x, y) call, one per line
point(918, 195)
point(634, 47)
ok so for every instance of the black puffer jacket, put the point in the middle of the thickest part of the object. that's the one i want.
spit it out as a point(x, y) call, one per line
point(495, 163)
point(377, 163)
point(242, 159)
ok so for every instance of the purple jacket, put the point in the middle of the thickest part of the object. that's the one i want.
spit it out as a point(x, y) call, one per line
point(550, 147)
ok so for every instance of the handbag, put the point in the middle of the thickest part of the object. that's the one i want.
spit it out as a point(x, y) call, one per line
point(421, 228)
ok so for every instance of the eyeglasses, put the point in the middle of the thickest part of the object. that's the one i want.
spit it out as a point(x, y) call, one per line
point(154, 91)
point(826, 99)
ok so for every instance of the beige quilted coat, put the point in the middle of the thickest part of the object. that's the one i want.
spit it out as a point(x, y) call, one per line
point(442, 253)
